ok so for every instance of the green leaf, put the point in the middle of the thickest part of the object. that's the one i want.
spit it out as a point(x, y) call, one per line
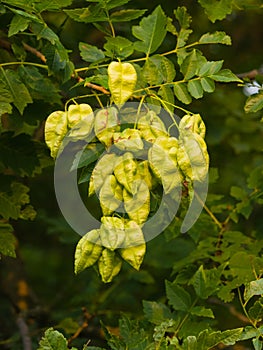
point(90, 14)
point(8, 208)
point(205, 282)
point(201, 311)
point(12, 83)
point(181, 93)
point(210, 67)
point(167, 96)
point(225, 76)
point(156, 312)
point(158, 69)
point(151, 32)
point(183, 17)
point(256, 311)
point(90, 53)
point(109, 265)
point(182, 38)
point(122, 81)
point(208, 84)
point(90, 154)
point(195, 88)
point(39, 86)
point(118, 47)
point(7, 239)
point(56, 128)
point(253, 288)
point(254, 103)
point(126, 15)
point(47, 5)
point(192, 63)
point(5, 99)
point(178, 297)
point(88, 250)
point(18, 24)
point(216, 10)
point(53, 340)
point(215, 38)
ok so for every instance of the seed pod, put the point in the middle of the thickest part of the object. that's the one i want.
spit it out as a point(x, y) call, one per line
point(112, 232)
point(135, 245)
point(137, 205)
point(163, 161)
point(110, 195)
point(109, 265)
point(81, 120)
point(192, 156)
point(129, 140)
point(125, 170)
point(106, 124)
point(151, 126)
point(101, 171)
point(55, 131)
point(122, 81)
point(87, 251)
point(194, 123)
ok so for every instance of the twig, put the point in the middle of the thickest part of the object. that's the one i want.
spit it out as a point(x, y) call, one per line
point(251, 74)
point(78, 331)
point(35, 52)
point(24, 332)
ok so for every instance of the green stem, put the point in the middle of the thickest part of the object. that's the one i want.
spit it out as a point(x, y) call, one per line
point(24, 63)
point(186, 316)
point(244, 308)
point(209, 212)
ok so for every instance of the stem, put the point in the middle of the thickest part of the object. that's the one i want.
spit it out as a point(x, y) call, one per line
point(244, 308)
point(209, 212)
point(186, 316)
point(24, 63)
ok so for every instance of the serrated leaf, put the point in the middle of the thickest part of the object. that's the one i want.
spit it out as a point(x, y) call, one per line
point(90, 14)
point(156, 312)
point(122, 81)
point(202, 312)
point(90, 53)
point(20, 94)
point(126, 15)
point(192, 63)
point(256, 311)
point(225, 76)
point(215, 38)
point(210, 67)
point(47, 5)
point(254, 103)
point(183, 17)
point(182, 38)
point(158, 69)
point(53, 340)
point(40, 87)
point(7, 240)
point(18, 24)
point(216, 10)
point(208, 84)
point(195, 88)
point(178, 297)
point(182, 94)
point(118, 47)
point(151, 32)
point(5, 99)
point(253, 288)
point(8, 208)
point(88, 250)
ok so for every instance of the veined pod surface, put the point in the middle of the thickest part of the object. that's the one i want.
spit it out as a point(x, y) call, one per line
point(106, 124)
point(151, 126)
point(122, 81)
point(137, 205)
point(163, 161)
point(110, 195)
point(112, 232)
point(87, 251)
point(125, 170)
point(109, 265)
point(80, 120)
point(194, 123)
point(192, 156)
point(101, 171)
point(129, 139)
point(56, 128)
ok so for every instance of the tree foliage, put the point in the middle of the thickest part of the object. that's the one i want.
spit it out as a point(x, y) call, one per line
point(196, 290)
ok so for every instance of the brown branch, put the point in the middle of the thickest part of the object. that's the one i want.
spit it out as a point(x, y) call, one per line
point(35, 52)
point(251, 74)
point(78, 331)
point(24, 332)
point(97, 87)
